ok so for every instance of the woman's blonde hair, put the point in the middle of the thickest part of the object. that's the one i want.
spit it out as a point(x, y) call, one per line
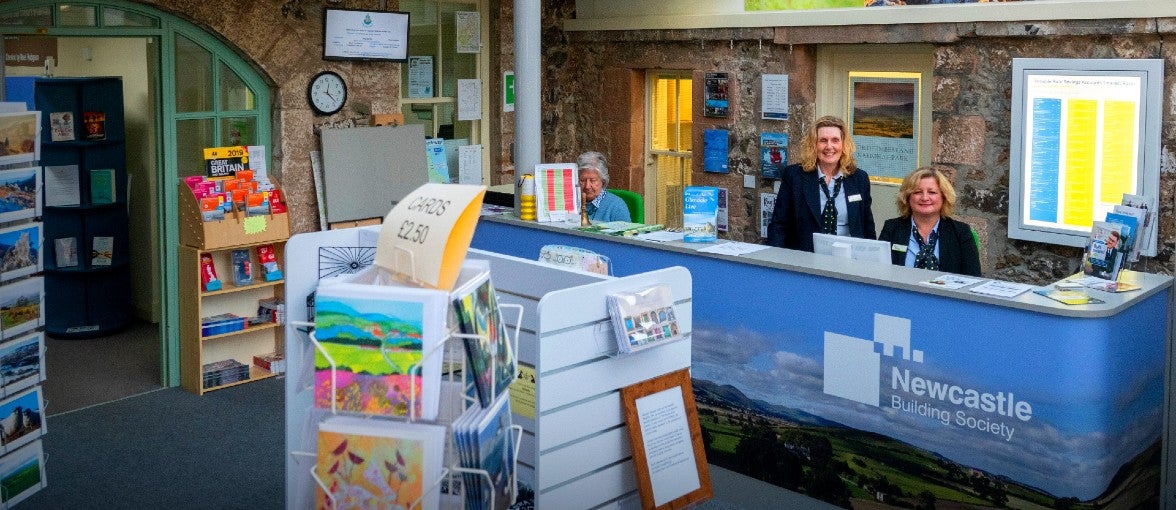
point(903, 200)
point(808, 146)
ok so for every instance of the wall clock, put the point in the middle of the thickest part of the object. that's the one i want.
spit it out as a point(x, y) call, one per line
point(327, 93)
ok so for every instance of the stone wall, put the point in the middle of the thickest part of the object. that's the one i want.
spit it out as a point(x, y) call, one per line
point(594, 89)
point(283, 41)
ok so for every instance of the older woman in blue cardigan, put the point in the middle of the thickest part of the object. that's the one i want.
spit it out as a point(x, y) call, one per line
point(599, 203)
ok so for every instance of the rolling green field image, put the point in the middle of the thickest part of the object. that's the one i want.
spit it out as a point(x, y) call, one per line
point(27, 476)
point(864, 470)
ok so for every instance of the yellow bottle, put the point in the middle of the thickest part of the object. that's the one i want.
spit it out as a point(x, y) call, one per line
point(526, 191)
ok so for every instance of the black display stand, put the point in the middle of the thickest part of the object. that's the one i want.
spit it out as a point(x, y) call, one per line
point(87, 300)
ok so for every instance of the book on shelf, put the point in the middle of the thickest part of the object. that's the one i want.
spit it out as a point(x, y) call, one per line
point(379, 463)
point(61, 185)
point(61, 126)
point(483, 438)
point(102, 186)
point(1103, 256)
point(377, 337)
point(225, 162)
point(102, 253)
point(700, 214)
point(95, 125)
point(66, 250)
point(643, 318)
point(491, 358)
point(220, 373)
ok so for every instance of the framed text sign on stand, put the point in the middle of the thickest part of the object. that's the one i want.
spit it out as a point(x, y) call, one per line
point(1084, 133)
point(667, 442)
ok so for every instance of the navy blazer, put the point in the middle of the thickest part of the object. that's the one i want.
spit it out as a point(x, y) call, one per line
point(957, 245)
point(798, 208)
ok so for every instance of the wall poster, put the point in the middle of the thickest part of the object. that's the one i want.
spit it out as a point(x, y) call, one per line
point(883, 120)
point(1084, 133)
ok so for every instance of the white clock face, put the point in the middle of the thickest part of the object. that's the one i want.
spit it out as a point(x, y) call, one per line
point(327, 93)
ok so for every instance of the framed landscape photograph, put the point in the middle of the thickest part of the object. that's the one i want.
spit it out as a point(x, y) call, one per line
point(22, 473)
point(20, 249)
point(22, 362)
point(20, 193)
point(19, 140)
point(22, 306)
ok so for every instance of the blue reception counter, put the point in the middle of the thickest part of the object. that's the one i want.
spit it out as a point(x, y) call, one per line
point(848, 382)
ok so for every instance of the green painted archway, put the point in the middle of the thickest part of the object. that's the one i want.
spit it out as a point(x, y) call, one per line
point(204, 93)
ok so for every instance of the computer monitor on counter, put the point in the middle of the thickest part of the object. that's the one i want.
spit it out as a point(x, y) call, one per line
point(865, 250)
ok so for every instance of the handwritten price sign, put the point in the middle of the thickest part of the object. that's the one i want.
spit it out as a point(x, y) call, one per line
point(427, 234)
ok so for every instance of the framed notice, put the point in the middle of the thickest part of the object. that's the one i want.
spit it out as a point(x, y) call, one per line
point(884, 121)
point(1084, 133)
point(667, 442)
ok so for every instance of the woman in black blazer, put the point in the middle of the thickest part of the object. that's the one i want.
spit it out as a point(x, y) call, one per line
point(923, 235)
point(800, 205)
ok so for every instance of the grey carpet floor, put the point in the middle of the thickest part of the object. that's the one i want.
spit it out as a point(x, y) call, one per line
point(169, 448)
point(85, 372)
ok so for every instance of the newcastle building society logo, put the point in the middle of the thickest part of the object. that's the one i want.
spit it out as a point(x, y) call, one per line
point(853, 371)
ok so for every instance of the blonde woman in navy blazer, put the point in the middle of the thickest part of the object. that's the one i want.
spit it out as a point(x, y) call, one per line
point(828, 147)
point(925, 201)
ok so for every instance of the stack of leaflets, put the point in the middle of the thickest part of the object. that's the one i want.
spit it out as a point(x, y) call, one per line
point(1104, 251)
point(1147, 206)
point(1069, 296)
point(621, 228)
point(643, 318)
point(224, 372)
point(378, 463)
point(490, 356)
point(376, 337)
point(483, 439)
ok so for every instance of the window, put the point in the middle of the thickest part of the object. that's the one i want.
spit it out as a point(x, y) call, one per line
point(429, 80)
point(668, 133)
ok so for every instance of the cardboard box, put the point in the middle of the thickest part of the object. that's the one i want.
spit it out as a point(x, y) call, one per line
point(229, 232)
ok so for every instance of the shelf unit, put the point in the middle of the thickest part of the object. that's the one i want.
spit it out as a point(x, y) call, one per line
point(197, 350)
point(86, 301)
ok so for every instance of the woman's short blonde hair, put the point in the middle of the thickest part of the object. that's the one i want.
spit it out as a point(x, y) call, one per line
point(903, 201)
point(808, 146)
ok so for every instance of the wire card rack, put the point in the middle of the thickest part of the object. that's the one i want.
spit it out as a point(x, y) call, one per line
point(455, 353)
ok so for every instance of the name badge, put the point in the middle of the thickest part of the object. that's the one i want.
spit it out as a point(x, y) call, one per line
point(901, 248)
point(854, 198)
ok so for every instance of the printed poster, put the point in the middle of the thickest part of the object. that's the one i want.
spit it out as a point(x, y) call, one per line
point(884, 122)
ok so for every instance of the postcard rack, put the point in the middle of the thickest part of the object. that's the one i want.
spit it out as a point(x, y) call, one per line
point(458, 366)
point(574, 445)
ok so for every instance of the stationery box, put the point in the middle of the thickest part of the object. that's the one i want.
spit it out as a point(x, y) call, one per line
point(234, 230)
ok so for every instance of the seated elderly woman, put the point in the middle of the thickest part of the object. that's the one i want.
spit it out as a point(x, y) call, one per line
point(923, 235)
point(599, 203)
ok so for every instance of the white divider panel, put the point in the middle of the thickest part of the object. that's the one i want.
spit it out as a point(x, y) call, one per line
point(582, 458)
point(580, 448)
point(572, 423)
point(575, 453)
point(600, 487)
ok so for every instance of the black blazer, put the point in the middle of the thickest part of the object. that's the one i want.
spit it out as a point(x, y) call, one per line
point(798, 208)
point(957, 246)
